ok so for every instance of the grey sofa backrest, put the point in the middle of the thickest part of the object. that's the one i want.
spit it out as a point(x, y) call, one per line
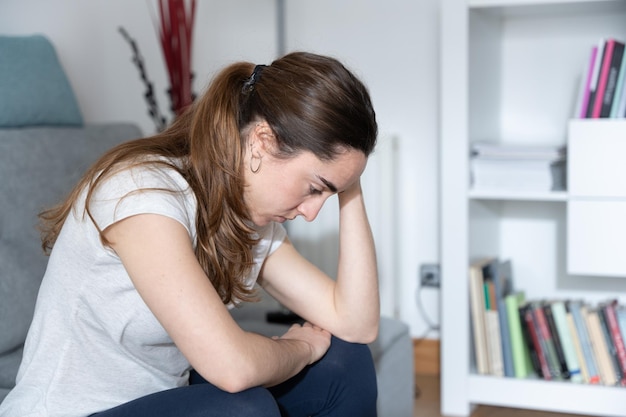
point(38, 167)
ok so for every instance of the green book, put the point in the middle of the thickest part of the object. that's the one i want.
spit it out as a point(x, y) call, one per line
point(519, 348)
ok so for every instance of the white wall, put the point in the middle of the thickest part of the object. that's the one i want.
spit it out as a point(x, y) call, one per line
point(392, 45)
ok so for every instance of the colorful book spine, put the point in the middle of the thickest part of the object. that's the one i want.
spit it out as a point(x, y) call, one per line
point(603, 78)
point(567, 344)
point(502, 288)
point(577, 347)
point(614, 64)
point(618, 338)
point(620, 312)
point(595, 75)
point(620, 90)
point(575, 307)
point(610, 346)
point(598, 344)
point(546, 340)
point(519, 348)
point(534, 346)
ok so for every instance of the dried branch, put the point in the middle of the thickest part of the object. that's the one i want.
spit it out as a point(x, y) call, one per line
point(153, 107)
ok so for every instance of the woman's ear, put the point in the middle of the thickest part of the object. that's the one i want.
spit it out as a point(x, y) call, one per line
point(263, 138)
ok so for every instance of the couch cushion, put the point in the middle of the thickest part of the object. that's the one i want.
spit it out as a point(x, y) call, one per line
point(38, 166)
point(20, 276)
point(35, 89)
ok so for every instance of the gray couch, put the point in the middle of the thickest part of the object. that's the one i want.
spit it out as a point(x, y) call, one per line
point(38, 165)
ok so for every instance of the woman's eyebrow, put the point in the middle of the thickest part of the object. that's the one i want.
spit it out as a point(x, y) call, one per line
point(328, 184)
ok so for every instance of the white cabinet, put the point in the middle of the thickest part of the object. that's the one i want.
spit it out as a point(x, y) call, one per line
point(509, 73)
point(596, 207)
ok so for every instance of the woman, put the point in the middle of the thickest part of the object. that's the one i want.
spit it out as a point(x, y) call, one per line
point(164, 234)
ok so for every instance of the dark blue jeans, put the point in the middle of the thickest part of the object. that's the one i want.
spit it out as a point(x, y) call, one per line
point(341, 384)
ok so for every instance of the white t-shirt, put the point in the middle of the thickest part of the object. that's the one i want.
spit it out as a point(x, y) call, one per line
point(93, 343)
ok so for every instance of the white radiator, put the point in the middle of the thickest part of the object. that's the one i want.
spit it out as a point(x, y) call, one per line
point(318, 241)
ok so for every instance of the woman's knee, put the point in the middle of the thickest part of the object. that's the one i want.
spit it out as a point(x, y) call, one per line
point(257, 402)
point(352, 363)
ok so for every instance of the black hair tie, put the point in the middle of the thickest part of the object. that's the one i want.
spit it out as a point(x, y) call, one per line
point(248, 86)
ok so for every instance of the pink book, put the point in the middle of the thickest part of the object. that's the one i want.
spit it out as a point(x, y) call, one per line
point(603, 77)
point(587, 85)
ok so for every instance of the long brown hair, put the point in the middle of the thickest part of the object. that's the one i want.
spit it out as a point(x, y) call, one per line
point(311, 102)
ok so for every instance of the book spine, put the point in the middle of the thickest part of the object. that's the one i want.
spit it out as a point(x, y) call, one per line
point(559, 316)
point(620, 312)
point(502, 288)
point(519, 349)
point(603, 78)
point(590, 362)
point(598, 344)
point(618, 339)
point(494, 345)
point(577, 347)
point(611, 82)
point(547, 343)
point(610, 347)
point(477, 302)
point(558, 345)
point(536, 352)
point(595, 75)
point(620, 90)
point(587, 77)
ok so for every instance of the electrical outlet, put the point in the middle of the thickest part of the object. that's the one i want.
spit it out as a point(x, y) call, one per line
point(430, 275)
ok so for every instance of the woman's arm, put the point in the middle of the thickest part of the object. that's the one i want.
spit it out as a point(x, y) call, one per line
point(349, 307)
point(158, 256)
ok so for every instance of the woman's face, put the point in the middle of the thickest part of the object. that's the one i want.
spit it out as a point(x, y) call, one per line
point(283, 189)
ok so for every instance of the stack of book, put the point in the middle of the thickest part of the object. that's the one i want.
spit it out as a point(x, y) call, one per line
point(602, 92)
point(567, 340)
point(497, 167)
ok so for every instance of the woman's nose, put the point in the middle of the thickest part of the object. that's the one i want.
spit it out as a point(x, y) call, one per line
point(310, 208)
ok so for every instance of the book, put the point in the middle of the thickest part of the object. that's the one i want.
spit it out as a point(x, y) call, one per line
point(611, 82)
point(494, 343)
point(558, 346)
point(568, 347)
point(621, 108)
point(599, 346)
point(594, 77)
point(617, 337)
point(604, 75)
point(576, 307)
point(519, 349)
point(545, 338)
point(501, 278)
point(491, 272)
point(538, 359)
point(477, 303)
point(606, 334)
point(577, 347)
point(620, 90)
point(620, 312)
point(583, 100)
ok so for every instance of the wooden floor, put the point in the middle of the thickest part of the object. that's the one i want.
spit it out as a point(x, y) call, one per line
point(427, 403)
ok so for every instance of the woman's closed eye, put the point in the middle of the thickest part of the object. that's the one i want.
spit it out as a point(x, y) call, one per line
point(314, 191)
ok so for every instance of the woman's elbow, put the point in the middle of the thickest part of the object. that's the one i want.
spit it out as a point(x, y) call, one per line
point(360, 334)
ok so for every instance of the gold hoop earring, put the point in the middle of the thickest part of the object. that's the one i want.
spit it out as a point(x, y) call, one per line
point(258, 167)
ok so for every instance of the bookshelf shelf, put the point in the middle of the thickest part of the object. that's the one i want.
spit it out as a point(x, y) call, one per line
point(517, 196)
point(510, 70)
point(547, 395)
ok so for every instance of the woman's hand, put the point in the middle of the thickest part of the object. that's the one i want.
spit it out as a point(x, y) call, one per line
point(317, 338)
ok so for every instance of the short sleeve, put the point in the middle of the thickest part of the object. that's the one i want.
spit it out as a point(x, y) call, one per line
point(144, 190)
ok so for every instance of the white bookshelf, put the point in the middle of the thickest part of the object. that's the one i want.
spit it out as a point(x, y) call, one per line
point(509, 73)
